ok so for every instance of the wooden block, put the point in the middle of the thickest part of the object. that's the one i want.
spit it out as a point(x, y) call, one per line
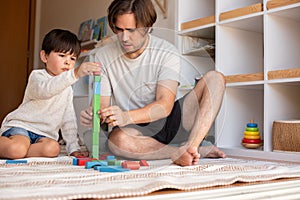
point(278, 3)
point(241, 11)
point(110, 169)
point(244, 77)
point(133, 165)
point(104, 156)
point(82, 161)
point(16, 161)
point(286, 135)
point(144, 163)
point(198, 22)
point(92, 164)
point(285, 73)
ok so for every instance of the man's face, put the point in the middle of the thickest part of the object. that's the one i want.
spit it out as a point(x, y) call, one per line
point(132, 39)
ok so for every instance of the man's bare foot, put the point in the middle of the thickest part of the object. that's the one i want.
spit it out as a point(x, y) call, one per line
point(186, 156)
point(211, 152)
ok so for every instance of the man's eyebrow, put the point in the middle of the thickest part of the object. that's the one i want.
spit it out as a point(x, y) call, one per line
point(127, 29)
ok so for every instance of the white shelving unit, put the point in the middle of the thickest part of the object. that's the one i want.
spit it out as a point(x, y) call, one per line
point(257, 49)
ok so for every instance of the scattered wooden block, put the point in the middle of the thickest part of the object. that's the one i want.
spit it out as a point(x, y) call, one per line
point(92, 164)
point(144, 163)
point(133, 165)
point(111, 169)
point(16, 161)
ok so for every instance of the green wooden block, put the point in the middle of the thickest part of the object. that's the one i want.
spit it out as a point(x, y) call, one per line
point(96, 119)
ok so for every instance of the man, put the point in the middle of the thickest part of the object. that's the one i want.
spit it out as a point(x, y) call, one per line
point(140, 76)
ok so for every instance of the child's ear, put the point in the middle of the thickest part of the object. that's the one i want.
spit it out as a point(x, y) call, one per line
point(43, 56)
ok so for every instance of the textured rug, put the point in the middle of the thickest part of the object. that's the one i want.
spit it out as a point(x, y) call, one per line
point(57, 178)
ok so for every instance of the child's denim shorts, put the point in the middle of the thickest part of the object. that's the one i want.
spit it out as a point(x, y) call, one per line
point(21, 131)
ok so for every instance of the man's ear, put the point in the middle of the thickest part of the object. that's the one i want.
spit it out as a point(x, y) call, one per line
point(43, 56)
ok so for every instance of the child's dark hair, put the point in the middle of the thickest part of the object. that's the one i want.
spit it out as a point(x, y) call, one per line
point(63, 41)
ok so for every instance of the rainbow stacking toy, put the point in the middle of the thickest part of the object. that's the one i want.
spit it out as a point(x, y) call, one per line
point(252, 139)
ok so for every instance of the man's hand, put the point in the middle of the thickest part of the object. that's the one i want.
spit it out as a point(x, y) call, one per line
point(86, 117)
point(114, 116)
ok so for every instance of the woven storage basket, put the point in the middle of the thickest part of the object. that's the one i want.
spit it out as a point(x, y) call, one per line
point(286, 135)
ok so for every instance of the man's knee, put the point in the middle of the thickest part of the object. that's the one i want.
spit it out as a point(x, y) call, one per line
point(119, 142)
point(215, 75)
point(117, 138)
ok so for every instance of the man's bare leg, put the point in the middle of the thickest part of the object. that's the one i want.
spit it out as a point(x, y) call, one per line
point(200, 109)
point(206, 99)
point(211, 152)
point(130, 143)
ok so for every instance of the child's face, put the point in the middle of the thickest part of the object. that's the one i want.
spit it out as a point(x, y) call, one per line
point(57, 62)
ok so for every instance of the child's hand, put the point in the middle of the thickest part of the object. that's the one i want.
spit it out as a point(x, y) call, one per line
point(80, 153)
point(87, 68)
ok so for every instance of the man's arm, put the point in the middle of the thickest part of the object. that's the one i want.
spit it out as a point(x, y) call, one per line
point(160, 108)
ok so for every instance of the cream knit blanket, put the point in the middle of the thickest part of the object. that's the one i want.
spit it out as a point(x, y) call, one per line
point(57, 178)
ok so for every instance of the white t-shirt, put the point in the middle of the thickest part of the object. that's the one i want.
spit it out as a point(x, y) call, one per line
point(47, 107)
point(132, 83)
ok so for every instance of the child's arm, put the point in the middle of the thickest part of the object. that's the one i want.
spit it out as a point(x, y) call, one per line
point(87, 68)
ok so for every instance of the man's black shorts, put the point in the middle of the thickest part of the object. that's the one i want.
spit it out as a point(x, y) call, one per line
point(168, 130)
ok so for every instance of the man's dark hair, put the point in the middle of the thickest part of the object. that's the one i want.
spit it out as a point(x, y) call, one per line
point(143, 10)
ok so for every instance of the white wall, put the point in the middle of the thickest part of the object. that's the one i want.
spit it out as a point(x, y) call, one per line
point(68, 14)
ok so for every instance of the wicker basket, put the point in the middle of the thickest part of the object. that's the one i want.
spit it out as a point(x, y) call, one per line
point(286, 135)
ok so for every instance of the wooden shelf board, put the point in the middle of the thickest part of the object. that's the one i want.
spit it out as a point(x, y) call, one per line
point(241, 11)
point(244, 77)
point(198, 22)
point(278, 3)
point(286, 73)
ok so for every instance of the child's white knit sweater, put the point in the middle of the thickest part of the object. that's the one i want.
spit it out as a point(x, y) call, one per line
point(47, 107)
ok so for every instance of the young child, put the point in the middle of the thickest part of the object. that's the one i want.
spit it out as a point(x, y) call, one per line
point(32, 129)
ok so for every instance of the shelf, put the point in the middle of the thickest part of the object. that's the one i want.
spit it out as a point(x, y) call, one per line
point(253, 23)
point(279, 3)
point(286, 73)
point(280, 156)
point(198, 22)
point(290, 12)
point(241, 11)
point(88, 45)
point(206, 31)
point(244, 77)
point(257, 49)
point(186, 87)
point(206, 51)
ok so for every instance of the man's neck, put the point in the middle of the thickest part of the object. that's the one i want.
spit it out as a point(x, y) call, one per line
point(133, 55)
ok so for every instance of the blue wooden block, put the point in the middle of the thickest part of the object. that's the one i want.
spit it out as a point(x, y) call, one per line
point(16, 161)
point(111, 169)
point(75, 161)
point(111, 157)
point(91, 164)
